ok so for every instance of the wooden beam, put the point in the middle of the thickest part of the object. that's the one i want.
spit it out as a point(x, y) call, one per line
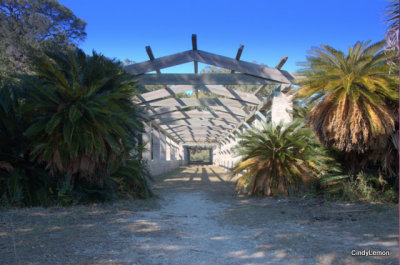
point(167, 133)
point(281, 62)
point(202, 79)
point(231, 93)
point(198, 130)
point(173, 121)
point(194, 47)
point(241, 66)
point(195, 114)
point(151, 57)
point(214, 89)
point(183, 135)
point(160, 63)
point(164, 92)
point(180, 128)
point(262, 106)
point(166, 111)
point(174, 127)
point(238, 54)
point(197, 122)
point(197, 102)
point(200, 136)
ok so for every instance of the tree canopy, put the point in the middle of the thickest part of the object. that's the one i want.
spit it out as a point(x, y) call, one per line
point(28, 27)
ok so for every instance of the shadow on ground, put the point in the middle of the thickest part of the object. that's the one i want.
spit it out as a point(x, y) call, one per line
point(199, 219)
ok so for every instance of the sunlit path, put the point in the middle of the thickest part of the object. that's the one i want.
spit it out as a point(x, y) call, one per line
point(199, 219)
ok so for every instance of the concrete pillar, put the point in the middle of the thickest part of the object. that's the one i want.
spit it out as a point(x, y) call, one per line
point(146, 141)
point(162, 156)
point(168, 148)
point(281, 106)
point(156, 145)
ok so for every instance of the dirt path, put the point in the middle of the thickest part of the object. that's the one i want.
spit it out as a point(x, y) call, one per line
point(198, 219)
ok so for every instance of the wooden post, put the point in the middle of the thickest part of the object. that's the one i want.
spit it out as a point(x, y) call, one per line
point(239, 53)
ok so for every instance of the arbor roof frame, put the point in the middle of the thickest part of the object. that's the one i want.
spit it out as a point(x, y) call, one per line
point(219, 117)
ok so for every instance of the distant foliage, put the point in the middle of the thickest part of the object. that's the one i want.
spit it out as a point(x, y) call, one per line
point(29, 27)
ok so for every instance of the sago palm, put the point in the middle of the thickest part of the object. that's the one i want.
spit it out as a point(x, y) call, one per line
point(277, 159)
point(84, 118)
point(352, 96)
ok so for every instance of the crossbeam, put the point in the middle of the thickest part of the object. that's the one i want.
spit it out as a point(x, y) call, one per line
point(272, 74)
point(165, 111)
point(202, 79)
point(214, 89)
point(194, 102)
point(200, 119)
point(160, 63)
point(207, 114)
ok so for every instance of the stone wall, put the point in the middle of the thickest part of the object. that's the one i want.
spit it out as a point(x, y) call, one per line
point(161, 152)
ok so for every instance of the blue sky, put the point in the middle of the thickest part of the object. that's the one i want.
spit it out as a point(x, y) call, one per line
point(269, 29)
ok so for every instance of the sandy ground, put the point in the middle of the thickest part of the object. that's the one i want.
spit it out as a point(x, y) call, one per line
point(198, 219)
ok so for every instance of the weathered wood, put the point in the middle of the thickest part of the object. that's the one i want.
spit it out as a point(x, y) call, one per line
point(202, 79)
point(151, 57)
point(259, 90)
point(164, 92)
point(165, 111)
point(194, 46)
point(175, 127)
point(199, 119)
point(160, 63)
point(200, 137)
point(207, 114)
point(231, 93)
point(240, 66)
point(201, 129)
point(195, 114)
point(281, 62)
point(238, 54)
point(170, 133)
point(198, 122)
point(215, 89)
point(179, 128)
point(185, 134)
point(197, 102)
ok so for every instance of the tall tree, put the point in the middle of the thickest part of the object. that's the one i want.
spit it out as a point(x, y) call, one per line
point(28, 27)
point(354, 96)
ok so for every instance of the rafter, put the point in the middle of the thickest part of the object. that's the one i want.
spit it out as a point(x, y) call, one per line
point(214, 89)
point(207, 114)
point(198, 102)
point(166, 111)
point(194, 47)
point(179, 128)
point(281, 62)
point(194, 122)
point(238, 54)
point(240, 66)
point(160, 63)
point(202, 79)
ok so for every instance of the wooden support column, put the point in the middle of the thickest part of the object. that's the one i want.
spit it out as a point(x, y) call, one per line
point(196, 64)
point(239, 53)
point(281, 62)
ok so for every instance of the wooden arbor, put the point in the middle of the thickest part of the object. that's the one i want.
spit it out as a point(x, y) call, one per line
point(211, 119)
